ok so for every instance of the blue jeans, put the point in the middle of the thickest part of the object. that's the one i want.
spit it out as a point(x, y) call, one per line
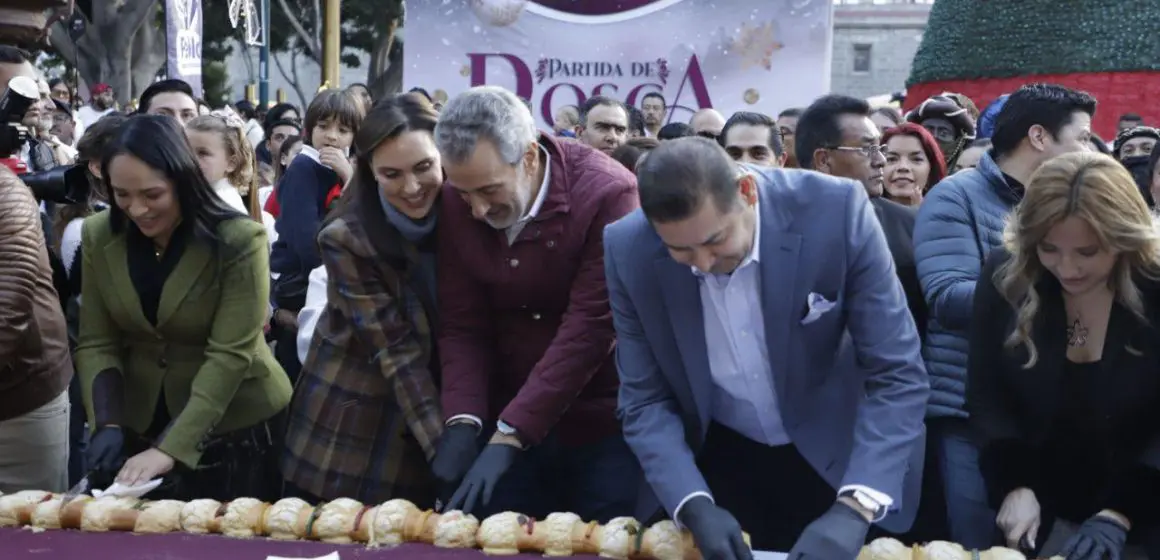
point(969, 517)
point(597, 481)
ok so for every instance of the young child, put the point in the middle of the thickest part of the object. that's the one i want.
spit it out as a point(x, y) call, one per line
point(226, 159)
point(282, 157)
point(314, 180)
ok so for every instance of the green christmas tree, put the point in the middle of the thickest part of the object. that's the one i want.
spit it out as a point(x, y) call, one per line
point(972, 39)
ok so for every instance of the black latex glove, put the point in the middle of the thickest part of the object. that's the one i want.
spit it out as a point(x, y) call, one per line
point(1099, 538)
point(104, 453)
point(483, 477)
point(716, 532)
point(837, 535)
point(454, 454)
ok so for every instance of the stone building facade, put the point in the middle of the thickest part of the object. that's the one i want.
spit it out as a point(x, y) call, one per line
point(874, 44)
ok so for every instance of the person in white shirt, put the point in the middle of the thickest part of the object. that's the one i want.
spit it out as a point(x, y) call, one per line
point(100, 104)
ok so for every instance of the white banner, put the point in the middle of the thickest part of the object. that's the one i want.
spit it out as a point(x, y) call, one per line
point(756, 55)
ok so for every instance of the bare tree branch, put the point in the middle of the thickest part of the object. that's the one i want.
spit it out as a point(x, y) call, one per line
point(312, 44)
point(291, 77)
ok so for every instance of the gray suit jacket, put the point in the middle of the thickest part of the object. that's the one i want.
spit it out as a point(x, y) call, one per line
point(851, 385)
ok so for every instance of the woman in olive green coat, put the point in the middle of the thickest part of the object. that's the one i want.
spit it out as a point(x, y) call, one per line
point(177, 378)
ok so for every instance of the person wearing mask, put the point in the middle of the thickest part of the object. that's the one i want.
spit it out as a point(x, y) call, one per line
point(914, 164)
point(949, 123)
point(959, 223)
point(526, 338)
point(753, 138)
point(172, 98)
point(376, 336)
point(1061, 378)
point(1153, 179)
point(177, 377)
point(1133, 147)
point(771, 377)
point(34, 402)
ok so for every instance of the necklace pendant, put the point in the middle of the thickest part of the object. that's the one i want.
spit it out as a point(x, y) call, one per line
point(1077, 334)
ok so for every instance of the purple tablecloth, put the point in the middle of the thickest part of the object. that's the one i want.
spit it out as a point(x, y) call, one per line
point(22, 544)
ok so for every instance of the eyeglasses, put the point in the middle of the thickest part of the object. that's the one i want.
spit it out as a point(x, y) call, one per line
point(866, 151)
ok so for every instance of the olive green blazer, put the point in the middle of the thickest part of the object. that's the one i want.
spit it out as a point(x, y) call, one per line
point(207, 355)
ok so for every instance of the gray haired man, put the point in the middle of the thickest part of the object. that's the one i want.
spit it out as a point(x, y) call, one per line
point(526, 337)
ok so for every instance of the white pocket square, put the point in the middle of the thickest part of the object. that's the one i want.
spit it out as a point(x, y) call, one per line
point(818, 305)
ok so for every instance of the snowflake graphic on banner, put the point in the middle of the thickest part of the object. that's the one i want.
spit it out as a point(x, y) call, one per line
point(498, 13)
point(755, 45)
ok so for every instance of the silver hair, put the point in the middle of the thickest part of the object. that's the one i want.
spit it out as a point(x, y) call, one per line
point(485, 112)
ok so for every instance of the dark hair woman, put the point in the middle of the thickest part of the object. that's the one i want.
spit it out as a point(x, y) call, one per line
point(914, 163)
point(172, 358)
point(368, 386)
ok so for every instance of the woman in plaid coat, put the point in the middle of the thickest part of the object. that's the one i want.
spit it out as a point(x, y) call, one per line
point(366, 415)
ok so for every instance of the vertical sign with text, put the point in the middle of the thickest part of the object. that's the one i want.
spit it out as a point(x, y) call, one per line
point(183, 19)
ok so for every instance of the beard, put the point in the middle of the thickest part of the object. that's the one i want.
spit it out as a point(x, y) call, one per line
point(511, 212)
point(102, 103)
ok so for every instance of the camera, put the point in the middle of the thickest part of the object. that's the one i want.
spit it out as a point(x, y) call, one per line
point(18, 97)
point(65, 184)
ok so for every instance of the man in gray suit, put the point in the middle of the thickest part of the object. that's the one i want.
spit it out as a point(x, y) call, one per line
point(770, 370)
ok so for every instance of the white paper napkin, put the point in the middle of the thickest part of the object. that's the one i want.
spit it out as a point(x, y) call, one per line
point(331, 556)
point(118, 489)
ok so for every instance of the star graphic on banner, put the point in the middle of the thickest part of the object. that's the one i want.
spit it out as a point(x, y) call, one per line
point(756, 45)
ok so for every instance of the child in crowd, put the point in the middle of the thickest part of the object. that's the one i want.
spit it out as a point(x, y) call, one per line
point(311, 184)
point(226, 159)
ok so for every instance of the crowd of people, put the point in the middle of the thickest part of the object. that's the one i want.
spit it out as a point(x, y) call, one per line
point(819, 327)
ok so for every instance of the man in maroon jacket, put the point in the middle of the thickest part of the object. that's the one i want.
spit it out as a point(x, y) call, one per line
point(526, 337)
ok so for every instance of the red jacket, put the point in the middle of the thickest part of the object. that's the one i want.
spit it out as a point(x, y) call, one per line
point(526, 330)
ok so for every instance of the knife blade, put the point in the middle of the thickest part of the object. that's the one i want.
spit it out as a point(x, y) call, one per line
point(79, 488)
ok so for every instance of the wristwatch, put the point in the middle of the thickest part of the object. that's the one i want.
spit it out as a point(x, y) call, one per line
point(877, 510)
point(510, 431)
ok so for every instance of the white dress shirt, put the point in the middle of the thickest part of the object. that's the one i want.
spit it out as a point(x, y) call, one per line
point(744, 393)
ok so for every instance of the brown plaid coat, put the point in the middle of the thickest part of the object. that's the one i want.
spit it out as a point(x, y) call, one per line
point(366, 415)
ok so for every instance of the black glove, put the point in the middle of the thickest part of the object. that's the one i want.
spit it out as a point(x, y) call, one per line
point(483, 477)
point(837, 535)
point(104, 453)
point(716, 532)
point(1099, 538)
point(456, 451)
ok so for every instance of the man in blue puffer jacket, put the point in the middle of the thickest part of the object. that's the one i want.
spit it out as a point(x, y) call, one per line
point(958, 224)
